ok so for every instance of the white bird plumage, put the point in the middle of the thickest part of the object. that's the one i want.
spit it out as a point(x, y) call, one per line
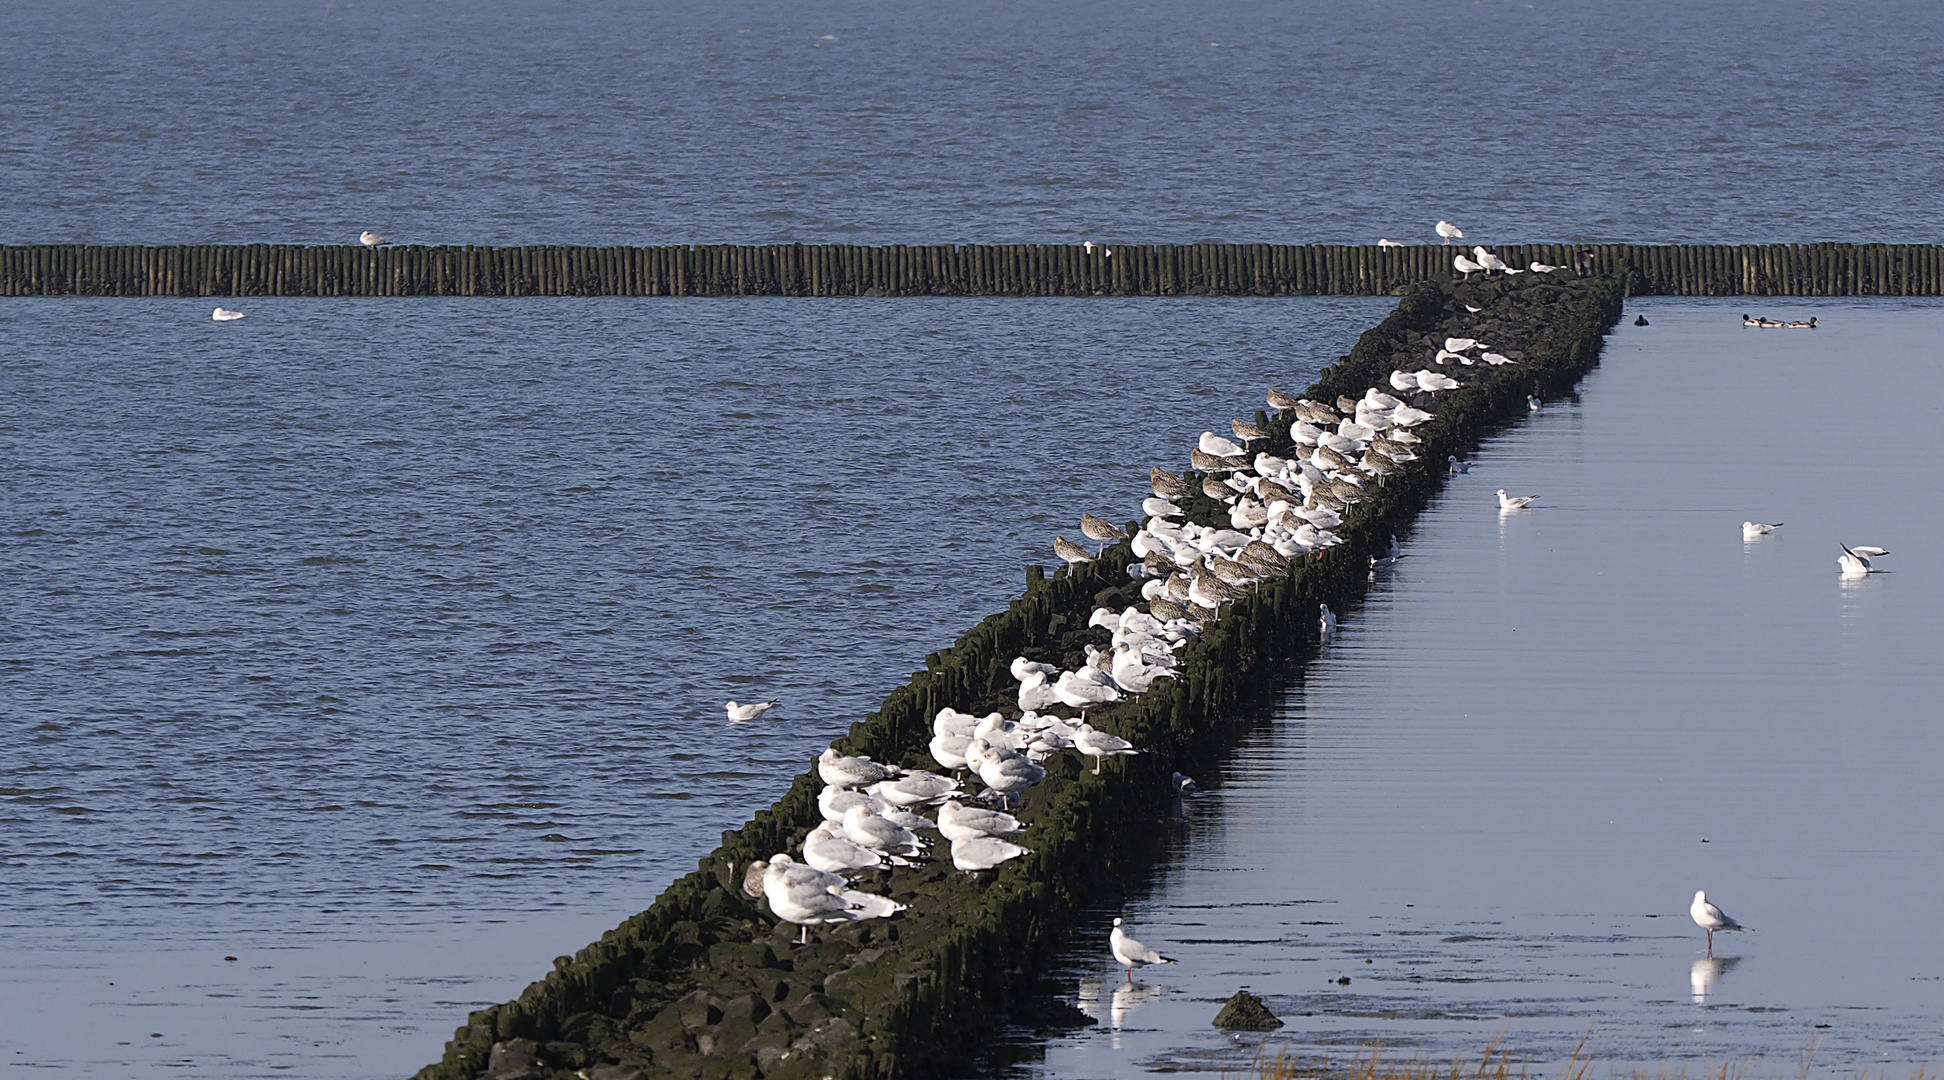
point(739, 713)
point(1130, 953)
point(1755, 530)
point(1449, 231)
point(371, 239)
point(1710, 918)
point(1515, 502)
point(223, 314)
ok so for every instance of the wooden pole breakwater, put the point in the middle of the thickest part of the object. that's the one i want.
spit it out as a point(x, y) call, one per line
point(241, 270)
point(707, 983)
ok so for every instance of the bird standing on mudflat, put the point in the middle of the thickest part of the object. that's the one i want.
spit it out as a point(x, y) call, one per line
point(1710, 918)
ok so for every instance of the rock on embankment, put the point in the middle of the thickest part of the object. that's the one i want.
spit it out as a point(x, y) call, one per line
point(705, 983)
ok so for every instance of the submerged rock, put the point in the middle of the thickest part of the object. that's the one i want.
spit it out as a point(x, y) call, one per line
point(1246, 1012)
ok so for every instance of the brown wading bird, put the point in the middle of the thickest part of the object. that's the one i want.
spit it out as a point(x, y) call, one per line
point(1280, 401)
point(1101, 529)
point(1246, 431)
point(1073, 553)
point(1168, 485)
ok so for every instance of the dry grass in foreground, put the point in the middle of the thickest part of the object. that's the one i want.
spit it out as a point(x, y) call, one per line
point(1496, 1064)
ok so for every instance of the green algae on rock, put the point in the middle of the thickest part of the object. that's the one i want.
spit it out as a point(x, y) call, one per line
point(706, 983)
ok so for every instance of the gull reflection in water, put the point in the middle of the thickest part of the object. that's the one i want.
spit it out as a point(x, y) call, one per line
point(1706, 972)
point(1126, 997)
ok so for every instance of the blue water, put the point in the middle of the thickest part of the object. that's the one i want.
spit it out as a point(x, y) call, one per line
point(383, 645)
point(1491, 800)
point(182, 121)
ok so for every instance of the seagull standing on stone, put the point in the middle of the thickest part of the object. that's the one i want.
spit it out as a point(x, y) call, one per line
point(1711, 918)
point(1132, 954)
point(1465, 266)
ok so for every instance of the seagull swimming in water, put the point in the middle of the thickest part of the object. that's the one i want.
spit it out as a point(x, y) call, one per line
point(1457, 467)
point(1515, 502)
point(1710, 918)
point(1855, 561)
point(1533, 402)
point(223, 314)
point(739, 713)
point(1131, 953)
point(1755, 530)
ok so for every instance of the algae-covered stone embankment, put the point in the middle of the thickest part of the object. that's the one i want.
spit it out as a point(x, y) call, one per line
point(706, 983)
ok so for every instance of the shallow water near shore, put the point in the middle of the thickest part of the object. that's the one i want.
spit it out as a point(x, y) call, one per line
point(1490, 801)
point(383, 645)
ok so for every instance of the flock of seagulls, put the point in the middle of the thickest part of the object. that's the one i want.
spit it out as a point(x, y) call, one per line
point(1776, 324)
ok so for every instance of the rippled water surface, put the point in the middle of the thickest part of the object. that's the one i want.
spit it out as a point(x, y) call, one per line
point(192, 121)
point(1489, 803)
point(382, 645)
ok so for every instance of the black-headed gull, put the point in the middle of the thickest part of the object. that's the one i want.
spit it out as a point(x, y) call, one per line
point(1449, 231)
point(223, 314)
point(806, 896)
point(1855, 561)
point(739, 713)
point(1755, 530)
point(1710, 918)
point(1326, 621)
point(1457, 466)
point(371, 239)
point(1132, 954)
point(1465, 266)
point(1515, 502)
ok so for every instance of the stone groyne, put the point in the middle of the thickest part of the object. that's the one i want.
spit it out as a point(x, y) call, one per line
point(236, 270)
point(706, 983)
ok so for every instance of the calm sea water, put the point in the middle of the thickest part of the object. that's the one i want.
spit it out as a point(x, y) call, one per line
point(184, 121)
point(383, 645)
point(1491, 800)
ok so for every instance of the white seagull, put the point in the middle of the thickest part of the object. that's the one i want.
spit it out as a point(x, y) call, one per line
point(1515, 502)
point(1449, 231)
point(1488, 260)
point(1465, 266)
point(974, 853)
point(1100, 746)
point(1533, 402)
point(1457, 467)
point(1383, 243)
point(1131, 953)
point(223, 314)
point(852, 772)
point(1326, 621)
point(1755, 530)
point(1710, 918)
point(1542, 268)
point(371, 239)
point(739, 713)
point(1855, 561)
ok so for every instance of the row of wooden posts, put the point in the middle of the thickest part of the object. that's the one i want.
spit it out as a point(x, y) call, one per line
point(937, 270)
